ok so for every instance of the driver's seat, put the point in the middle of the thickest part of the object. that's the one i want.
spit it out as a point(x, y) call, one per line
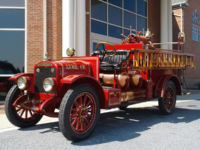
point(111, 63)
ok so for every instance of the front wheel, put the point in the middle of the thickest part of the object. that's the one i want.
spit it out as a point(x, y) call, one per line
point(79, 112)
point(168, 102)
point(20, 115)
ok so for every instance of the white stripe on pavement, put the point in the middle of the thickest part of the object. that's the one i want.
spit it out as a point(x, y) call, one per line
point(9, 129)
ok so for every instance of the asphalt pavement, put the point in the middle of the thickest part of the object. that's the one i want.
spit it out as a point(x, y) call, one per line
point(140, 127)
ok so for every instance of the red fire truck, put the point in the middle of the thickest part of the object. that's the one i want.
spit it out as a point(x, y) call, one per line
point(114, 76)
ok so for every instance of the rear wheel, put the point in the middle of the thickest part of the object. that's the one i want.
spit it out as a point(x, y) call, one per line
point(168, 102)
point(79, 112)
point(20, 115)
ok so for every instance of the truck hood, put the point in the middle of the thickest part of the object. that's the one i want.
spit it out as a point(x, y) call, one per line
point(73, 65)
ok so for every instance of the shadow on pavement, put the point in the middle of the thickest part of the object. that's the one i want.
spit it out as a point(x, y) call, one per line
point(122, 126)
point(49, 127)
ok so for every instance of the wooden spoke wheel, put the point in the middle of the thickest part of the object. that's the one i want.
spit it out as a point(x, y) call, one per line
point(20, 114)
point(79, 112)
point(83, 112)
point(168, 102)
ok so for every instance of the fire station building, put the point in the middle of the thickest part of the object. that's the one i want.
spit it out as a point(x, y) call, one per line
point(31, 30)
point(186, 18)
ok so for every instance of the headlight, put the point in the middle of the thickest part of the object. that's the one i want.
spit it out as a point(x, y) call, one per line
point(22, 83)
point(48, 84)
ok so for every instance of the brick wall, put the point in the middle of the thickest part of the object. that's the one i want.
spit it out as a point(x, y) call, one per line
point(54, 29)
point(192, 76)
point(34, 33)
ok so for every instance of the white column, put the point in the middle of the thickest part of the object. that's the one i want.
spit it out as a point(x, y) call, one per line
point(67, 25)
point(170, 28)
point(166, 23)
point(26, 40)
point(181, 19)
point(80, 33)
point(45, 53)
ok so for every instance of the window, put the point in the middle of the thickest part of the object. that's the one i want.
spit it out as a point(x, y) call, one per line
point(12, 18)
point(12, 3)
point(115, 31)
point(129, 20)
point(112, 17)
point(141, 23)
point(141, 7)
point(99, 10)
point(195, 32)
point(98, 27)
point(12, 47)
point(116, 2)
point(195, 18)
point(129, 5)
point(12, 35)
point(115, 16)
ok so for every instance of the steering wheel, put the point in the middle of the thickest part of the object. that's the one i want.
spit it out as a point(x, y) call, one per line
point(105, 43)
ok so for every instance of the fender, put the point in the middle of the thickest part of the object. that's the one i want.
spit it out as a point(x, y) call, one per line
point(160, 87)
point(29, 77)
point(15, 77)
point(73, 80)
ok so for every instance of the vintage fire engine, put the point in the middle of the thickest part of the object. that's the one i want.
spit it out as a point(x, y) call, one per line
point(76, 88)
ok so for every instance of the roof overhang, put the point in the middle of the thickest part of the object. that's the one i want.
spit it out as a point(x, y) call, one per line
point(176, 4)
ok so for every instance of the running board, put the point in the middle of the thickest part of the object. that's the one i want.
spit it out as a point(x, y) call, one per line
point(114, 97)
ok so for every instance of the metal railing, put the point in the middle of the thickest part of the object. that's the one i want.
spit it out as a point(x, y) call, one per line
point(162, 59)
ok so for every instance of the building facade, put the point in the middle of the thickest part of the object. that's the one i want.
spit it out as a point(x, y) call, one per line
point(49, 27)
point(187, 19)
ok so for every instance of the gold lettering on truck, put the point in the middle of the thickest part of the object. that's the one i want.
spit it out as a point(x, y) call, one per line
point(75, 67)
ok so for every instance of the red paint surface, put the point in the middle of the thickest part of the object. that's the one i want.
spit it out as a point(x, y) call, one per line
point(125, 46)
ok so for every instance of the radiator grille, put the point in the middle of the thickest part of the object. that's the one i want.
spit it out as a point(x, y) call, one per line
point(40, 75)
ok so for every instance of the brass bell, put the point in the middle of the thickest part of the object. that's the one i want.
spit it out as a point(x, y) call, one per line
point(70, 52)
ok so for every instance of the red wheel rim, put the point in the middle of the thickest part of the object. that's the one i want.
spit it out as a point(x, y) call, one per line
point(169, 99)
point(23, 110)
point(83, 112)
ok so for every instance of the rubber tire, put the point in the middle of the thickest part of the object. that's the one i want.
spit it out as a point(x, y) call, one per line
point(10, 110)
point(64, 112)
point(162, 108)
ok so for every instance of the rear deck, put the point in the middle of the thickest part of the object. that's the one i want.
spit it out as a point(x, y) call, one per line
point(162, 59)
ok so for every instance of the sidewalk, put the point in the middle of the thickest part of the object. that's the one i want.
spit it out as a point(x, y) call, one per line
point(1, 109)
point(2, 105)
